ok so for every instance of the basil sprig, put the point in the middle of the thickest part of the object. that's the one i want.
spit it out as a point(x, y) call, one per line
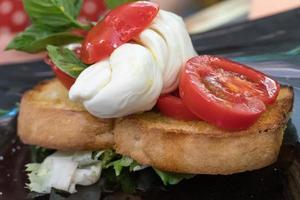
point(52, 22)
point(66, 60)
point(34, 39)
point(54, 14)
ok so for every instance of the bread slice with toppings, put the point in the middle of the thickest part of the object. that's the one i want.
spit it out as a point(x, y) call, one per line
point(49, 119)
point(200, 148)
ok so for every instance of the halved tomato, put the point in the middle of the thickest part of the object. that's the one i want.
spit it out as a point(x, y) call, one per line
point(63, 77)
point(118, 27)
point(225, 93)
point(172, 106)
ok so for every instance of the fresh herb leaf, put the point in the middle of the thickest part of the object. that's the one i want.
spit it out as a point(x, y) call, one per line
point(169, 178)
point(54, 14)
point(121, 163)
point(116, 170)
point(52, 21)
point(118, 165)
point(66, 60)
point(125, 162)
point(111, 4)
point(35, 39)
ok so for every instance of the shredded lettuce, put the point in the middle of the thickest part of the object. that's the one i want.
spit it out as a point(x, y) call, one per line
point(170, 178)
point(64, 171)
point(123, 162)
point(110, 159)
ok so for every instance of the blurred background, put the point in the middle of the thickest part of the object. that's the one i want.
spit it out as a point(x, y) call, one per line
point(199, 15)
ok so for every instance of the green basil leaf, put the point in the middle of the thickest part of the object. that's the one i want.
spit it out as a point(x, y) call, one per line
point(111, 4)
point(169, 178)
point(35, 39)
point(54, 14)
point(66, 60)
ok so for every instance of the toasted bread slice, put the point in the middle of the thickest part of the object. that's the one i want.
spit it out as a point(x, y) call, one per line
point(49, 119)
point(200, 148)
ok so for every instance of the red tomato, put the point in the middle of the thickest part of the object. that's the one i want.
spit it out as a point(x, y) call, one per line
point(173, 106)
point(118, 27)
point(225, 93)
point(64, 78)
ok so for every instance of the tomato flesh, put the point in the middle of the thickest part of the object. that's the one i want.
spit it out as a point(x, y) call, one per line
point(63, 77)
point(118, 27)
point(172, 106)
point(225, 93)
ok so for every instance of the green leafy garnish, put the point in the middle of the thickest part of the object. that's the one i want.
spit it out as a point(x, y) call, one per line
point(106, 157)
point(63, 171)
point(111, 4)
point(35, 39)
point(110, 159)
point(52, 23)
point(54, 14)
point(124, 162)
point(66, 60)
point(117, 170)
point(169, 178)
point(119, 163)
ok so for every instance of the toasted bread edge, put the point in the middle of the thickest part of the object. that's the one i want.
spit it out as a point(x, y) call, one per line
point(199, 148)
point(56, 123)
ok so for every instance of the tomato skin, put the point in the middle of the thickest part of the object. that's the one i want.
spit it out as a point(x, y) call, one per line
point(64, 78)
point(224, 108)
point(118, 27)
point(173, 106)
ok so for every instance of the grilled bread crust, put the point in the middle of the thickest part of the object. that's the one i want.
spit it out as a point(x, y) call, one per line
point(49, 119)
point(200, 148)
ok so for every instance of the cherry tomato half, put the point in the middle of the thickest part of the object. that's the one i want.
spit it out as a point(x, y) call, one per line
point(172, 106)
point(118, 27)
point(63, 77)
point(225, 93)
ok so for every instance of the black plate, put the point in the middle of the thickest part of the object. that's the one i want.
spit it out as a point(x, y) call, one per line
point(274, 53)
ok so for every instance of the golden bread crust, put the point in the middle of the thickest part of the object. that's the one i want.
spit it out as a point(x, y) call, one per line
point(200, 148)
point(49, 119)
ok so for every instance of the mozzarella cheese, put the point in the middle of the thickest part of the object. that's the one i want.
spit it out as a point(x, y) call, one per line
point(135, 75)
